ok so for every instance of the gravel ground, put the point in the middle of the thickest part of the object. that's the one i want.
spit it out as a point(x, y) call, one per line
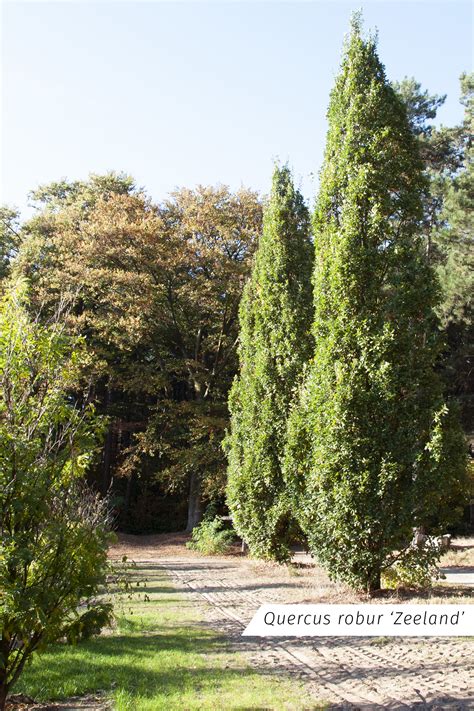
point(348, 673)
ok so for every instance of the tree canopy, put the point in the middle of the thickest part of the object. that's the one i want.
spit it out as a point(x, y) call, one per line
point(371, 441)
point(155, 290)
point(275, 342)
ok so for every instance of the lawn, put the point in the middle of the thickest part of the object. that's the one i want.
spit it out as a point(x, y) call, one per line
point(159, 656)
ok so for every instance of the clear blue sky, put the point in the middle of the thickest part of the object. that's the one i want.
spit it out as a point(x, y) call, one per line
point(184, 93)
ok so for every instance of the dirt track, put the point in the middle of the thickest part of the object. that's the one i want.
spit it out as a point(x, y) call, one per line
point(349, 673)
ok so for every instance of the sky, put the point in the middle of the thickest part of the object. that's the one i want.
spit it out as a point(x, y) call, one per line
point(185, 93)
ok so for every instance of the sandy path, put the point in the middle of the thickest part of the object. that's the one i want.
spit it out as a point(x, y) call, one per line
point(400, 673)
point(349, 673)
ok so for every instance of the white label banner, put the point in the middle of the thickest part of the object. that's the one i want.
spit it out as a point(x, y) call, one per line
point(362, 621)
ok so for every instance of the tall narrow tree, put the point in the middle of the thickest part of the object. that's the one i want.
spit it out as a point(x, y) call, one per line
point(372, 441)
point(275, 342)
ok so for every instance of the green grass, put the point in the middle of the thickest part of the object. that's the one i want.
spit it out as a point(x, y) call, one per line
point(159, 656)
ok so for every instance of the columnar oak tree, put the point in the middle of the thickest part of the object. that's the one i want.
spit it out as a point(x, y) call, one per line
point(275, 320)
point(372, 443)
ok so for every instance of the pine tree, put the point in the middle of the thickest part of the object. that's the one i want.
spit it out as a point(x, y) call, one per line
point(456, 270)
point(371, 444)
point(275, 342)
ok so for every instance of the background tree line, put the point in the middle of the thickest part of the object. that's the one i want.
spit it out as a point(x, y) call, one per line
point(155, 291)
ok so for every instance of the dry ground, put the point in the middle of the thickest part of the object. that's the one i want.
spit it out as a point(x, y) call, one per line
point(428, 674)
point(348, 673)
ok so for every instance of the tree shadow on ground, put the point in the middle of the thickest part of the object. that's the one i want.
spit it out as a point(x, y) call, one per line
point(166, 663)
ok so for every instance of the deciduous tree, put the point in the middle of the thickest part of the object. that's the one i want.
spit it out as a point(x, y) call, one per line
point(53, 530)
point(372, 444)
point(275, 342)
point(155, 290)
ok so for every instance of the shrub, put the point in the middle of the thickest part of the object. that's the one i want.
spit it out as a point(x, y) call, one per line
point(416, 568)
point(210, 538)
point(53, 530)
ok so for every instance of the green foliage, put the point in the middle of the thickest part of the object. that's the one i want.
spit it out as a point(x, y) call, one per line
point(9, 239)
point(441, 155)
point(210, 538)
point(53, 530)
point(415, 568)
point(275, 317)
point(84, 193)
point(372, 447)
point(447, 227)
point(456, 265)
point(420, 105)
point(155, 290)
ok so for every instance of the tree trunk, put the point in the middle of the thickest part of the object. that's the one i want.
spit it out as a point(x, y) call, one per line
point(107, 460)
point(4, 659)
point(375, 582)
point(107, 452)
point(194, 503)
point(3, 696)
point(128, 497)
